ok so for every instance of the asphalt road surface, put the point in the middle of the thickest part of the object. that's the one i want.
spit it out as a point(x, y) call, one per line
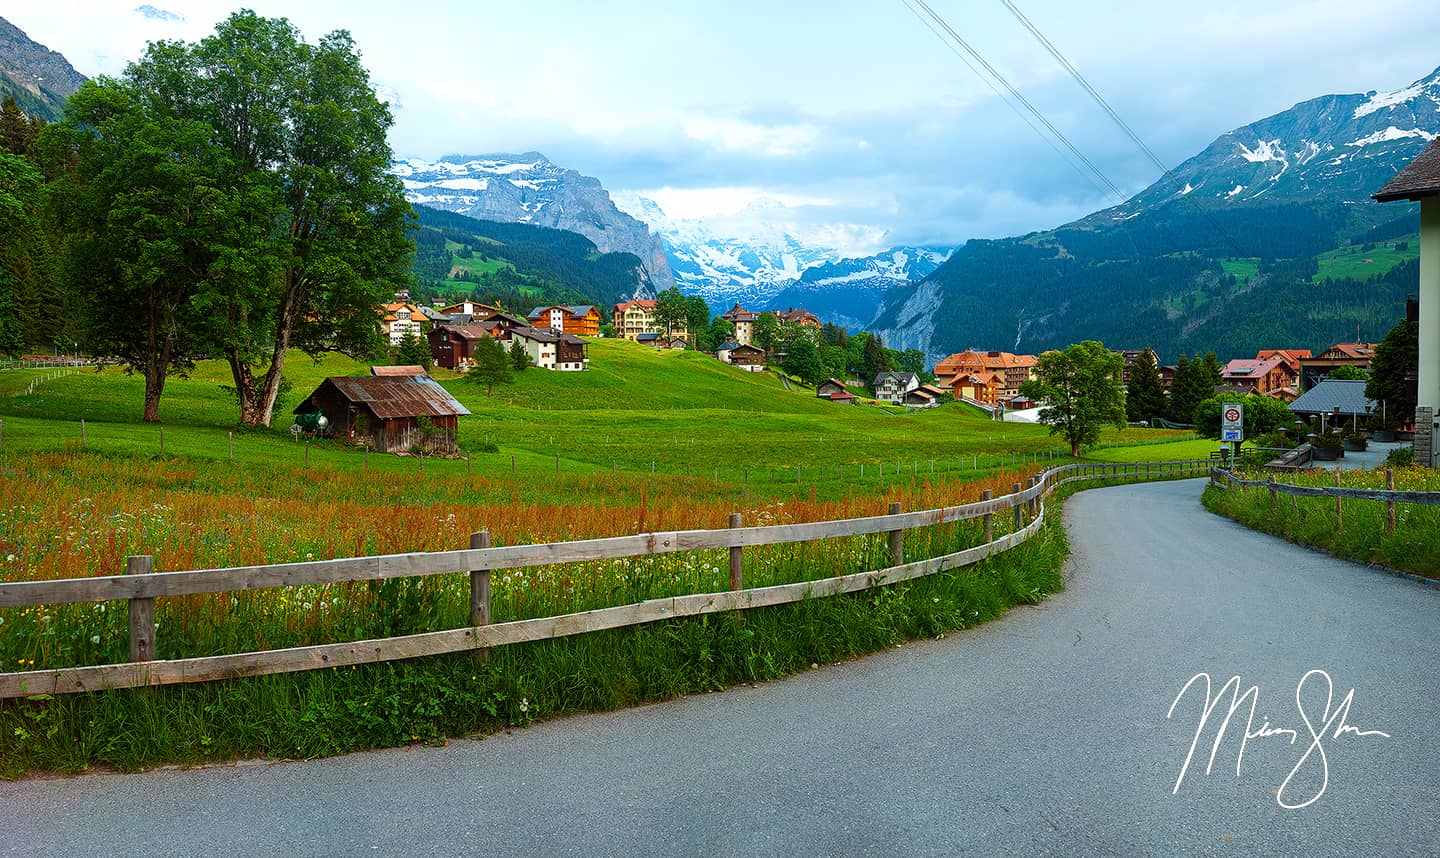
point(1044, 733)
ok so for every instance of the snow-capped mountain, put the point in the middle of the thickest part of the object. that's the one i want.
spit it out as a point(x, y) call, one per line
point(1337, 147)
point(768, 267)
point(1287, 187)
point(529, 188)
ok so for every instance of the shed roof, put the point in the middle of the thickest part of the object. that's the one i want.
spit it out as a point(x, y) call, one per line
point(728, 345)
point(1418, 179)
point(1332, 393)
point(393, 396)
point(392, 371)
point(546, 335)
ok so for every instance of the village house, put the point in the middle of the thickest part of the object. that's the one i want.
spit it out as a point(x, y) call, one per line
point(892, 386)
point(834, 390)
point(1338, 400)
point(471, 310)
point(1316, 369)
point(553, 350)
point(400, 320)
point(630, 319)
point(1270, 376)
point(582, 320)
point(803, 318)
point(925, 396)
point(744, 322)
point(980, 387)
point(453, 346)
point(1014, 370)
point(742, 355)
point(390, 413)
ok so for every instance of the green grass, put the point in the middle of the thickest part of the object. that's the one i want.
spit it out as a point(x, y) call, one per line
point(1361, 534)
point(1160, 451)
point(1243, 268)
point(1353, 262)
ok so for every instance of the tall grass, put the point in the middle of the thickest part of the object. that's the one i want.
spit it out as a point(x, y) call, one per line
point(1361, 534)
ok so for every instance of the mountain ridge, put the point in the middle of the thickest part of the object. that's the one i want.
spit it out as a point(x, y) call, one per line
point(38, 78)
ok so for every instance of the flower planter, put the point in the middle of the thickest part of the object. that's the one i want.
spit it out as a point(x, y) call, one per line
point(1320, 454)
point(1385, 435)
point(1354, 446)
point(1404, 435)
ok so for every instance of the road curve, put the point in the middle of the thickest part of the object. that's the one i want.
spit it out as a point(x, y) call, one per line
point(1042, 733)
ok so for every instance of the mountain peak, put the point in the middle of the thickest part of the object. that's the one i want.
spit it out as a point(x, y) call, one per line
point(38, 78)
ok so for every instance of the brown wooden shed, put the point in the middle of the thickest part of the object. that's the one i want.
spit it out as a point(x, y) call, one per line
point(390, 413)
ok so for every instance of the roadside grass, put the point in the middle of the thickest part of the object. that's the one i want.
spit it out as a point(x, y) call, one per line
point(432, 699)
point(1157, 450)
point(1361, 535)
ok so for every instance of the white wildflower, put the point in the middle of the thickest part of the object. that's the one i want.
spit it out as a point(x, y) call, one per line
point(94, 639)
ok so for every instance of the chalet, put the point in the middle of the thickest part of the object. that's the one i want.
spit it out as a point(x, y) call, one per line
point(1167, 375)
point(979, 387)
point(553, 350)
point(803, 318)
point(1014, 370)
point(473, 311)
point(396, 371)
point(630, 319)
point(924, 396)
point(1419, 181)
point(582, 320)
point(722, 351)
point(829, 387)
point(892, 386)
point(399, 320)
point(1316, 369)
point(747, 357)
point(391, 413)
point(649, 338)
point(1268, 377)
point(1291, 357)
point(744, 322)
point(1132, 357)
point(674, 344)
point(453, 346)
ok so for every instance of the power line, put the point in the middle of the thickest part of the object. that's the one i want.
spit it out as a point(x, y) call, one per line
point(1008, 103)
point(1017, 96)
point(1115, 117)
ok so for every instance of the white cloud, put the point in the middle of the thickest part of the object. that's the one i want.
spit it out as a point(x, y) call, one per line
point(741, 135)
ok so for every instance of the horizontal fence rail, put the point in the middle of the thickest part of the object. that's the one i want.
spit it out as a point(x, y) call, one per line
point(1385, 495)
point(141, 586)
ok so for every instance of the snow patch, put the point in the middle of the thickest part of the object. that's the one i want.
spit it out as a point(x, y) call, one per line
point(1238, 189)
point(1391, 133)
point(1186, 190)
point(1392, 100)
point(1265, 150)
point(464, 184)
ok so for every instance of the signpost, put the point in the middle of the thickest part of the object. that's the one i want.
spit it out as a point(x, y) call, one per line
point(1232, 422)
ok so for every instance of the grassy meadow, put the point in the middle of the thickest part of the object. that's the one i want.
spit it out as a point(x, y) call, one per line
point(646, 440)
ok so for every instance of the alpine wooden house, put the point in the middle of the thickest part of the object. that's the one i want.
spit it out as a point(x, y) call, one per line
point(391, 413)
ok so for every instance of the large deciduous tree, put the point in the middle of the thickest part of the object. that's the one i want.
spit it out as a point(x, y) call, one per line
point(300, 137)
point(671, 310)
point(1081, 391)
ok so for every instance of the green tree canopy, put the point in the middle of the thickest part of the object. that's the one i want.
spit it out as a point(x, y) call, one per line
point(1145, 392)
point(1081, 391)
point(289, 139)
point(765, 331)
point(492, 365)
point(1192, 385)
point(1396, 357)
point(1263, 414)
point(1348, 373)
point(671, 309)
point(414, 350)
point(805, 362)
point(519, 356)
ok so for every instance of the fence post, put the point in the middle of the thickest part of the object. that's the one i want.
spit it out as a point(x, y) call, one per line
point(1339, 512)
point(307, 456)
point(480, 590)
point(1390, 504)
point(1271, 485)
point(1018, 507)
point(1034, 503)
point(162, 440)
point(897, 539)
point(230, 442)
point(141, 611)
point(2, 434)
point(84, 441)
point(988, 518)
point(737, 557)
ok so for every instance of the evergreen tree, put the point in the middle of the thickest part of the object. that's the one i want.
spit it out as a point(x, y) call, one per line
point(1214, 374)
point(19, 134)
point(519, 357)
point(492, 365)
point(1145, 394)
point(1397, 356)
point(874, 358)
point(1191, 386)
point(414, 350)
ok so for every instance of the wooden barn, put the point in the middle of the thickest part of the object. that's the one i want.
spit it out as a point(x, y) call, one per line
point(391, 413)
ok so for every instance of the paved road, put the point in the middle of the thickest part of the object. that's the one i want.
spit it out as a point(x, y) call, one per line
point(1043, 733)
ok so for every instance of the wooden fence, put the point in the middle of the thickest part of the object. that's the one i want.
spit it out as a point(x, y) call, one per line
point(1388, 495)
point(141, 585)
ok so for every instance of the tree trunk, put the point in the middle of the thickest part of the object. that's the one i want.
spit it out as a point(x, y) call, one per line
point(257, 407)
point(154, 386)
point(157, 357)
point(1074, 449)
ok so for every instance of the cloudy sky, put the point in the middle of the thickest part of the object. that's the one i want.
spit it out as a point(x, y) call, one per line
point(851, 113)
